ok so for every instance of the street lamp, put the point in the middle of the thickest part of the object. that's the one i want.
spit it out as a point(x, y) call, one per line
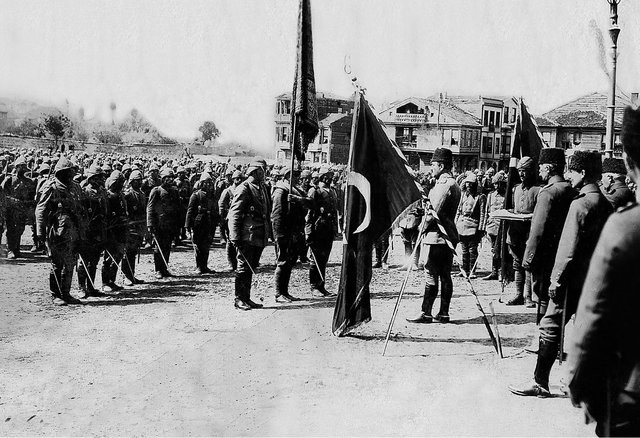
point(614, 31)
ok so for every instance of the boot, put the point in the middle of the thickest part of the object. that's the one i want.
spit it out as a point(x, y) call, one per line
point(519, 280)
point(528, 302)
point(547, 353)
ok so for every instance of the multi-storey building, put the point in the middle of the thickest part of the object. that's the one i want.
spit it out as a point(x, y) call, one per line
point(332, 143)
point(581, 123)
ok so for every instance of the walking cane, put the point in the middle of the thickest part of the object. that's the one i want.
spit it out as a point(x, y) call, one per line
point(87, 271)
point(316, 263)
point(166, 265)
point(118, 268)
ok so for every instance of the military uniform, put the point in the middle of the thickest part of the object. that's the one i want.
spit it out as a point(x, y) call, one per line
point(549, 214)
point(604, 354)
point(58, 218)
point(248, 230)
point(201, 218)
point(409, 230)
point(116, 228)
point(184, 190)
point(136, 209)
point(93, 200)
point(223, 207)
point(619, 195)
point(320, 229)
point(163, 219)
point(20, 193)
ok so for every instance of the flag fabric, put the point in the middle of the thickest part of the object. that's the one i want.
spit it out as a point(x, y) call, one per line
point(379, 187)
point(304, 113)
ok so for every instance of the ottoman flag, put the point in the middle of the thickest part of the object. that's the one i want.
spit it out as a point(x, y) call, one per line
point(379, 187)
point(304, 114)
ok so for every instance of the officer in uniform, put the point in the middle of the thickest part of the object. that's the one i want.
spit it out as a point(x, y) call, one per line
point(604, 354)
point(584, 222)
point(136, 210)
point(163, 221)
point(305, 186)
point(614, 186)
point(116, 227)
point(444, 198)
point(321, 226)
point(525, 195)
point(94, 213)
point(549, 214)
point(200, 222)
point(287, 218)
point(20, 192)
point(223, 205)
point(248, 232)
point(58, 218)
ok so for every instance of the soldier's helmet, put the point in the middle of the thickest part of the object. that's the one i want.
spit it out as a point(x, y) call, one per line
point(206, 176)
point(136, 174)
point(20, 162)
point(63, 164)
point(167, 171)
point(44, 168)
point(94, 170)
point(237, 174)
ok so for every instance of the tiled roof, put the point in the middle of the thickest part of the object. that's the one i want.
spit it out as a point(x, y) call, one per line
point(588, 111)
point(447, 110)
point(319, 95)
point(333, 117)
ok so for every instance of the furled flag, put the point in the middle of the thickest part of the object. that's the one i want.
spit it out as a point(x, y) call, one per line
point(379, 187)
point(304, 114)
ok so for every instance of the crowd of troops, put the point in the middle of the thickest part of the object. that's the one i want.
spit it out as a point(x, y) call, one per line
point(574, 257)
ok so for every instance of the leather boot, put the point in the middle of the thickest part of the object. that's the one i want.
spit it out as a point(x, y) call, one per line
point(547, 353)
point(519, 280)
point(528, 302)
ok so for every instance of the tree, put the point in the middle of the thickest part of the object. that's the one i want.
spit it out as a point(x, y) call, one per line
point(57, 126)
point(209, 131)
point(112, 137)
point(27, 128)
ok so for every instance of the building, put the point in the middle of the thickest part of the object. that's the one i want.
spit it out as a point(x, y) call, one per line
point(332, 143)
point(581, 123)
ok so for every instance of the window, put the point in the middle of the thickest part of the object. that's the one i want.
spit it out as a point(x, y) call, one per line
point(565, 141)
point(316, 157)
point(455, 137)
point(506, 145)
point(513, 116)
point(506, 114)
point(486, 118)
point(497, 119)
point(487, 144)
point(446, 136)
point(491, 119)
point(577, 138)
point(546, 136)
point(284, 133)
point(324, 138)
point(287, 155)
point(324, 157)
point(498, 146)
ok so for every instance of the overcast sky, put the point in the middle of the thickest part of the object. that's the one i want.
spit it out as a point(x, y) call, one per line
point(181, 63)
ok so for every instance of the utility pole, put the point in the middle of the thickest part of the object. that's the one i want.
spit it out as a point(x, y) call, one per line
point(614, 31)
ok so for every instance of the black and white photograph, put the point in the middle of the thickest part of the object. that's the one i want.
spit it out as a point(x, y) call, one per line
point(319, 218)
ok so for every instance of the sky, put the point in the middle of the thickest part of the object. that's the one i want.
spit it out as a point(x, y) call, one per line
point(183, 62)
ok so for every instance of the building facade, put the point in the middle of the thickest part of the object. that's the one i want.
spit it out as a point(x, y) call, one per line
point(581, 123)
point(332, 143)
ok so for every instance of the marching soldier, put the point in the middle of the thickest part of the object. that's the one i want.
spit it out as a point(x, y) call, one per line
point(200, 222)
point(605, 355)
point(223, 204)
point(444, 198)
point(586, 217)
point(58, 218)
point(163, 221)
point(614, 186)
point(116, 227)
point(92, 245)
point(248, 231)
point(321, 226)
point(20, 192)
point(525, 195)
point(137, 218)
point(287, 218)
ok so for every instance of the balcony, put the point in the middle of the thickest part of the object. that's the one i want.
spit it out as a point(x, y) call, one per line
point(417, 119)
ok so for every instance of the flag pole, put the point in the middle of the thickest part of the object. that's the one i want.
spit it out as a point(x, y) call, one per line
point(293, 154)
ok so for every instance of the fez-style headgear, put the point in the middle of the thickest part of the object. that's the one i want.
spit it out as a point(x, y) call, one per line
point(614, 165)
point(444, 156)
point(552, 156)
point(589, 161)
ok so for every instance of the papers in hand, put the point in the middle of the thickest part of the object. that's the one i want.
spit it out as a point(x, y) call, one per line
point(510, 216)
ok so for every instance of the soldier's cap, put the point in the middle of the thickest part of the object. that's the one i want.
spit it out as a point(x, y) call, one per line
point(284, 171)
point(262, 162)
point(167, 171)
point(110, 182)
point(305, 174)
point(499, 177)
point(237, 174)
point(126, 167)
point(153, 167)
point(614, 165)
point(631, 133)
point(253, 167)
point(44, 168)
point(443, 155)
point(589, 161)
point(552, 156)
point(206, 176)
point(470, 178)
point(525, 163)
point(62, 165)
point(116, 174)
point(20, 162)
point(107, 168)
point(324, 171)
point(94, 171)
point(136, 174)
point(181, 169)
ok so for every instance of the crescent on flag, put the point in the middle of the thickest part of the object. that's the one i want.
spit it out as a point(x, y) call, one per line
point(364, 187)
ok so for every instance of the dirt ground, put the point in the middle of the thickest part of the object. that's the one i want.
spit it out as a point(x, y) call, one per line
point(173, 357)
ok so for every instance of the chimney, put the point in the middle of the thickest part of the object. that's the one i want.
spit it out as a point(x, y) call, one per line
point(634, 99)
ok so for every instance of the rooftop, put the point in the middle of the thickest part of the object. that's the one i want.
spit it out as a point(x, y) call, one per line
point(447, 110)
point(589, 111)
point(319, 95)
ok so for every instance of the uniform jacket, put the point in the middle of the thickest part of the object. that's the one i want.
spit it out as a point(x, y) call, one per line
point(201, 211)
point(471, 216)
point(225, 201)
point(20, 193)
point(524, 201)
point(95, 212)
point(549, 214)
point(619, 195)
point(117, 221)
point(605, 345)
point(495, 202)
point(137, 213)
point(58, 214)
point(149, 183)
point(248, 218)
point(286, 218)
point(321, 221)
point(586, 217)
point(163, 209)
point(444, 197)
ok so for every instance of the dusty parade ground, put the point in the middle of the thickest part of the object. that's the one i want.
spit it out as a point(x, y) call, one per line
point(173, 357)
